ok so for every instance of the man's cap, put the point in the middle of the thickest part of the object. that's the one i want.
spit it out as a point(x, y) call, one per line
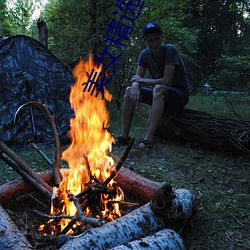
point(150, 26)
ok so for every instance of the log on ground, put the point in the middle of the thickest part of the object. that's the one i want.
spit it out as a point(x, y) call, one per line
point(131, 182)
point(161, 240)
point(139, 223)
point(10, 237)
point(148, 219)
point(137, 185)
point(212, 131)
point(18, 187)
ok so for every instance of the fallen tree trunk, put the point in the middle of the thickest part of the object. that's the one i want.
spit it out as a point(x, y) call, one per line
point(150, 218)
point(212, 131)
point(163, 239)
point(10, 237)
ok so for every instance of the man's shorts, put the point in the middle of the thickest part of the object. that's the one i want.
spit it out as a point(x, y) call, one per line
point(175, 99)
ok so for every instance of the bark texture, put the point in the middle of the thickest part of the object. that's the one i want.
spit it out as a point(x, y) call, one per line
point(10, 237)
point(139, 223)
point(43, 32)
point(167, 209)
point(162, 240)
point(212, 131)
point(15, 188)
point(140, 187)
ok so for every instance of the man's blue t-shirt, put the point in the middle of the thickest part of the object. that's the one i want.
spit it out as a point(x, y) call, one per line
point(171, 56)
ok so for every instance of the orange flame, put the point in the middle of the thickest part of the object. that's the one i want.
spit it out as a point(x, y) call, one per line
point(90, 140)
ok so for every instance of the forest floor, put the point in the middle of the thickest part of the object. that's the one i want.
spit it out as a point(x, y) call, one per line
point(219, 180)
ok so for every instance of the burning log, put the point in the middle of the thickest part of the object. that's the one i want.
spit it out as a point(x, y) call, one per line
point(165, 210)
point(163, 239)
point(216, 132)
point(10, 237)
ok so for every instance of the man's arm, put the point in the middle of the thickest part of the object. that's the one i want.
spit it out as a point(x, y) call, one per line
point(166, 80)
point(135, 93)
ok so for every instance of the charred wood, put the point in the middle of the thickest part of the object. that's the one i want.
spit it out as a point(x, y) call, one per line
point(120, 163)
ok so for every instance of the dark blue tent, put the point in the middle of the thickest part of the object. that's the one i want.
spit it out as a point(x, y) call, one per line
point(29, 71)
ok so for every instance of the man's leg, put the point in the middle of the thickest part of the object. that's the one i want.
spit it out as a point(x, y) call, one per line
point(127, 113)
point(157, 111)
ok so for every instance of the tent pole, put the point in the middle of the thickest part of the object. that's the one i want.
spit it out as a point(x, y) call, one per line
point(33, 125)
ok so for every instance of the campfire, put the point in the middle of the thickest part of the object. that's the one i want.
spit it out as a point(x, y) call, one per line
point(87, 198)
point(87, 188)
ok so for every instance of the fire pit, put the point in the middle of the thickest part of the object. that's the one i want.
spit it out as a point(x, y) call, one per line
point(86, 198)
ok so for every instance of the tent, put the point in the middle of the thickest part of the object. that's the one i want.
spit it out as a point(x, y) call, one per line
point(30, 72)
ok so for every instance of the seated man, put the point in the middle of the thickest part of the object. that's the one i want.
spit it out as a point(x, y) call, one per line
point(168, 89)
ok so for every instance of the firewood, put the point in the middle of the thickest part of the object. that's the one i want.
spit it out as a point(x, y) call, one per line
point(150, 218)
point(136, 185)
point(140, 187)
point(26, 176)
point(18, 187)
point(10, 237)
point(120, 163)
point(11, 154)
point(138, 223)
point(161, 240)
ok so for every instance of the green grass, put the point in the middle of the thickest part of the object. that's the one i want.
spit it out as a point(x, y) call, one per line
point(233, 106)
point(219, 180)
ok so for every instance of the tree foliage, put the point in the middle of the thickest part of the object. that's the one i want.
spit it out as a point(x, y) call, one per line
point(223, 33)
point(212, 35)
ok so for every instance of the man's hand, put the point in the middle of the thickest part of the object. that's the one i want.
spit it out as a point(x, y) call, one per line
point(135, 93)
point(136, 78)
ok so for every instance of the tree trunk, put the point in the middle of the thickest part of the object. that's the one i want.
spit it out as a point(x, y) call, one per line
point(10, 237)
point(212, 131)
point(43, 32)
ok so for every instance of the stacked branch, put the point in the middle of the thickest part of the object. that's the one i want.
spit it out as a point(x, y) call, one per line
point(96, 197)
point(22, 168)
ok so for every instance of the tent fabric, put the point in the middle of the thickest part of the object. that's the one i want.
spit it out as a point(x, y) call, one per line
point(29, 71)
